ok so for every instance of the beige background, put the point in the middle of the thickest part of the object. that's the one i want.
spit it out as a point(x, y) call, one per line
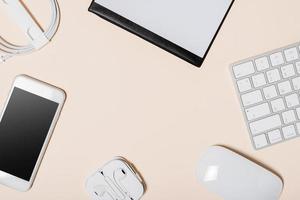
point(127, 97)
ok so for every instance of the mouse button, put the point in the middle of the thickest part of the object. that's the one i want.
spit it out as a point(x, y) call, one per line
point(222, 172)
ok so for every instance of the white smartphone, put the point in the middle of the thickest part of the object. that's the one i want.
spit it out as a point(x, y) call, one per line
point(27, 122)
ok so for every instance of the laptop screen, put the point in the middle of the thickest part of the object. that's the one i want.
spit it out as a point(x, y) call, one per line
point(191, 24)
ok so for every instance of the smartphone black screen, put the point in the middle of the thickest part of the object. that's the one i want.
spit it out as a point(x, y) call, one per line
point(23, 130)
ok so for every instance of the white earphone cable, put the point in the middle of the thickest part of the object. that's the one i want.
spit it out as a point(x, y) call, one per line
point(8, 50)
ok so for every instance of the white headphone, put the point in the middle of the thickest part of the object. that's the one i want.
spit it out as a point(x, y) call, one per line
point(37, 36)
point(116, 180)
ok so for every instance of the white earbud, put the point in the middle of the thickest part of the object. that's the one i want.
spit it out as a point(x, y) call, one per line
point(103, 193)
point(115, 189)
point(119, 175)
point(116, 180)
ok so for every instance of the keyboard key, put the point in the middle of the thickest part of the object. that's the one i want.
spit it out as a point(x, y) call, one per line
point(252, 98)
point(296, 83)
point(257, 111)
point(291, 54)
point(243, 69)
point(292, 100)
point(274, 136)
point(259, 80)
point(298, 112)
point(298, 127)
point(284, 87)
point(262, 63)
point(260, 141)
point(270, 92)
point(298, 67)
point(273, 75)
point(288, 117)
point(277, 105)
point(276, 59)
point(244, 85)
point(289, 131)
point(288, 71)
point(265, 124)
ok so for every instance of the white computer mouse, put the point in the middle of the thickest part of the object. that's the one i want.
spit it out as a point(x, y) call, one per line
point(234, 177)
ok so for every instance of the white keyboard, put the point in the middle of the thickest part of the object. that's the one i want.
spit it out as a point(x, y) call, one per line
point(268, 87)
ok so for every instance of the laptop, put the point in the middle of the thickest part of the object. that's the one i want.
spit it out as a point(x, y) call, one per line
point(186, 29)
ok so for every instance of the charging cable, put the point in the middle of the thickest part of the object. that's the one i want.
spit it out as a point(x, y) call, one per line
point(38, 38)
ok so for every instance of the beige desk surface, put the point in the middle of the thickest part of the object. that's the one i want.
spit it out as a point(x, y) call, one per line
point(127, 97)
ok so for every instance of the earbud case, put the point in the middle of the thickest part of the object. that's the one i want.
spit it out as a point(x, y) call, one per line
point(116, 180)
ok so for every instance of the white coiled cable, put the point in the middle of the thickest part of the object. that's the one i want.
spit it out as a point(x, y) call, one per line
point(8, 49)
